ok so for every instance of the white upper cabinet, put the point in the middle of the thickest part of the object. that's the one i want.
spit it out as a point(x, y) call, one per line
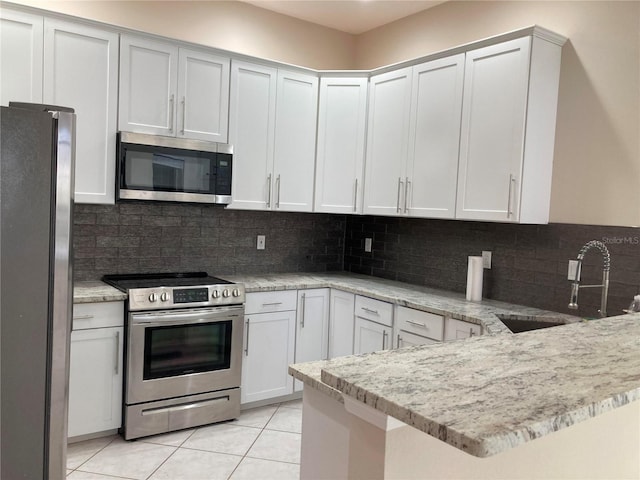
point(81, 71)
point(172, 91)
point(203, 96)
point(434, 136)
point(295, 141)
point(20, 57)
point(414, 132)
point(252, 120)
point(272, 127)
point(341, 140)
point(148, 82)
point(508, 128)
point(387, 142)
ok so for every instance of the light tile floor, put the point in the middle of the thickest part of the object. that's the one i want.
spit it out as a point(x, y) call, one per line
point(262, 444)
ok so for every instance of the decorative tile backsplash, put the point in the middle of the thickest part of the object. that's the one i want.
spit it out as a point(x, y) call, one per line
point(529, 264)
point(136, 237)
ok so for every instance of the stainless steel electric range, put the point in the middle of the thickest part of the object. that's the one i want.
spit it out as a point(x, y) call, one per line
point(182, 351)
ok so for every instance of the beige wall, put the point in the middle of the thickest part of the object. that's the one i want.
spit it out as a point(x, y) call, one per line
point(596, 175)
point(234, 26)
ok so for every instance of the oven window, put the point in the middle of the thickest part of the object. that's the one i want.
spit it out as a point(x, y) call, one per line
point(182, 349)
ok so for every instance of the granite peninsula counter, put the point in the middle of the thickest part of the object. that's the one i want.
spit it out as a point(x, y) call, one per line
point(489, 394)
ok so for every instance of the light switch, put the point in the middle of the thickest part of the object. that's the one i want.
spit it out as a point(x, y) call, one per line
point(261, 242)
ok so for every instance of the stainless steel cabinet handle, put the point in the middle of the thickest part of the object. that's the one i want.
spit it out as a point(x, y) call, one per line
point(384, 339)
point(302, 311)
point(269, 191)
point(278, 191)
point(184, 113)
point(246, 348)
point(375, 312)
point(398, 342)
point(512, 184)
point(399, 191)
point(83, 317)
point(355, 197)
point(117, 369)
point(471, 332)
point(171, 107)
point(418, 324)
point(406, 193)
point(272, 303)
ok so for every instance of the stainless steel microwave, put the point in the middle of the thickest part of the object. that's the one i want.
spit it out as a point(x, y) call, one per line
point(151, 167)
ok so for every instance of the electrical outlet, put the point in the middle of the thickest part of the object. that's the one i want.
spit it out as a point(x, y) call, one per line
point(572, 271)
point(486, 260)
point(367, 244)
point(260, 242)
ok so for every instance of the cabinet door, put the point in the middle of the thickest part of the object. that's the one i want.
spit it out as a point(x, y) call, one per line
point(492, 138)
point(20, 57)
point(387, 141)
point(432, 166)
point(81, 71)
point(457, 329)
point(371, 337)
point(148, 78)
point(269, 342)
point(341, 323)
point(252, 113)
point(341, 140)
point(95, 381)
point(203, 96)
point(312, 327)
point(295, 141)
point(407, 339)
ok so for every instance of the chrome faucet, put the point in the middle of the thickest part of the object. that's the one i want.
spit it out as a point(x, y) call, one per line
point(606, 266)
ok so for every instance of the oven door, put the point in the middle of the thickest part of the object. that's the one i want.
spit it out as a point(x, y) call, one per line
point(183, 352)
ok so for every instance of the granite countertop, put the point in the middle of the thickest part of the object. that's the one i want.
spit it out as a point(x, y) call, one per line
point(428, 299)
point(91, 292)
point(491, 393)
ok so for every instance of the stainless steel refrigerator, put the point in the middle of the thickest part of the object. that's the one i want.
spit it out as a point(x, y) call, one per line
point(36, 202)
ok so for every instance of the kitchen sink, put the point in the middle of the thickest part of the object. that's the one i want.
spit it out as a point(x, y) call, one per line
point(521, 323)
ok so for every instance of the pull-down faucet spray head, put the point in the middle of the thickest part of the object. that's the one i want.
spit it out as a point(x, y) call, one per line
point(606, 266)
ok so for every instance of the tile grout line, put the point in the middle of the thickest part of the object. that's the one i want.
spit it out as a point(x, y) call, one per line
point(172, 453)
point(253, 443)
point(94, 454)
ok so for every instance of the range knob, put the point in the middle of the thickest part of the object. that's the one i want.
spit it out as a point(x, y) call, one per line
point(225, 293)
point(236, 292)
point(164, 296)
point(215, 294)
point(153, 297)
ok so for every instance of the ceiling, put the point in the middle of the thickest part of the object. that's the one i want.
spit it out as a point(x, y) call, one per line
point(351, 16)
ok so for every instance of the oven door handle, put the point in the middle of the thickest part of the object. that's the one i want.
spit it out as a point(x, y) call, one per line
point(185, 318)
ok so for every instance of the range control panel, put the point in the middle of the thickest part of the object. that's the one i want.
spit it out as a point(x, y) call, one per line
point(162, 298)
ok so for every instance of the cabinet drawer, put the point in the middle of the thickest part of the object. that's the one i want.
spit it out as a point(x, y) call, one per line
point(98, 315)
point(421, 323)
point(406, 339)
point(374, 310)
point(278, 301)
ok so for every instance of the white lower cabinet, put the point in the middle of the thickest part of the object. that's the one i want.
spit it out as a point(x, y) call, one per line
point(269, 345)
point(312, 327)
point(371, 336)
point(341, 323)
point(373, 325)
point(457, 329)
point(96, 365)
